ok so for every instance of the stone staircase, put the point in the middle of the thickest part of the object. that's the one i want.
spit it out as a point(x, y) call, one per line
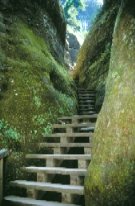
point(59, 180)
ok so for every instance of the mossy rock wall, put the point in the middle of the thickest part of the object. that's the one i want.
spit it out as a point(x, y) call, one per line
point(46, 17)
point(94, 56)
point(35, 87)
point(111, 175)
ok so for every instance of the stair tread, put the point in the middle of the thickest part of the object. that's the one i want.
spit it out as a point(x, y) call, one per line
point(92, 112)
point(57, 126)
point(65, 135)
point(86, 110)
point(86, 105)
point(28, 201)
point(86, 93)
point(87, 98)
point(86, 102)
point(59, 156)
point(79, 117)
point(45, 186)
point(57, 145)
point(56, 170)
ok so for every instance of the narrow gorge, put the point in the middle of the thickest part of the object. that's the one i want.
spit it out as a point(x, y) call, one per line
point(69, 134)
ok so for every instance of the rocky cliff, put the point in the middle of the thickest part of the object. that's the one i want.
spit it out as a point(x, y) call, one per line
point(72, 47)
point(35, 88)
point(111, 176)
point(94, 55)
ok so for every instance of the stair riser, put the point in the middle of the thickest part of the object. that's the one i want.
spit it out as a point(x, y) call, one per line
point(74, 179)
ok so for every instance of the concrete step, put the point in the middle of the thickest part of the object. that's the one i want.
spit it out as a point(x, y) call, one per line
point(79, 117)
point(87, 129)
point(50, 187)
point(89, 97)
point(86, 109)
point(83, 89)
point(86, 94)
point(86, 91)
point(86, 104)
point(61, 145)
point(59, 156)
point(23, 201)
point(55, 126)
point(86, 113)
point(86, 99)
point(66, 138)
point(76, 119)
point(65, 135)
point(56, 170)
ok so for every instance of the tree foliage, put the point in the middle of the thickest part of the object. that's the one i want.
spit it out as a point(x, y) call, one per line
point(71, 10)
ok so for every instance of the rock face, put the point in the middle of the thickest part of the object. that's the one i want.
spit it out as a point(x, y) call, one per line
point(46, 17)
point(35, 88)
point(94, 56)
point(71, 50)
point(111, 176)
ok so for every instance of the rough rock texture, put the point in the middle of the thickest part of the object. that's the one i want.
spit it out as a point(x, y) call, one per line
point(35, 88)
point(46, 17)
point(71, 49)
point(94, 55)
point(111, 179)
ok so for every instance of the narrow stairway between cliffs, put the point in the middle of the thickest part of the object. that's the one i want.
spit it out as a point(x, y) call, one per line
point(59, 177)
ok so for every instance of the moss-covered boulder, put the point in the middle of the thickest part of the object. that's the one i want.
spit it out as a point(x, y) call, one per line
point(111, 175)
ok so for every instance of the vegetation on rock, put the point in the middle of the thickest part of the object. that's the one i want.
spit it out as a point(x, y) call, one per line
point(94, 55)
point(35, 88)
point(111, 177)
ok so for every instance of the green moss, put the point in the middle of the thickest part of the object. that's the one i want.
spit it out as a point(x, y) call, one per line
point(94, 56)
point(33, 99)
point(111, 176)
point(11, 135)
